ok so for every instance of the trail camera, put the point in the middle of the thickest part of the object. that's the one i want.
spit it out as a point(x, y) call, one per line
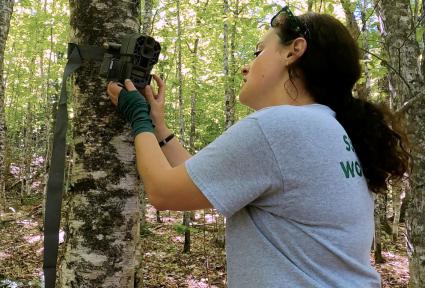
point(132, 59)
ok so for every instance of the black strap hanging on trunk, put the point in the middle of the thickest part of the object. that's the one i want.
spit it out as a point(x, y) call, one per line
point(55, 183)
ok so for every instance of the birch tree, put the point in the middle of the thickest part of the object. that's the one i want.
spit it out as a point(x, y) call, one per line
point(146, 29)
point(362, 88)
point(102, 226)
point(147, 17)
point(186, 214)
point(6, 8)
point(398, 29)
point(229, 61)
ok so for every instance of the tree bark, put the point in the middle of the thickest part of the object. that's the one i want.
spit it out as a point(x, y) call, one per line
point(146, 29)
point(362, 88)
point(102, 227)
point(186, 223)
point(186, 214)
point(193, 96)
point(195, 81)
point(377, 247)
point(180, 75)
point(147, 17)
point(397, 192)
point(229, 63)
point(310, 5)
point(350, 19)
point(6, 9)
point(27, 155)
point(407, 83)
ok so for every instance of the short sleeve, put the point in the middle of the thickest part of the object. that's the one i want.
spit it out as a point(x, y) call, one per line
point(236, 169)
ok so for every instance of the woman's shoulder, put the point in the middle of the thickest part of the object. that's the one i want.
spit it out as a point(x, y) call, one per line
point(292, 112)
point(287, 119)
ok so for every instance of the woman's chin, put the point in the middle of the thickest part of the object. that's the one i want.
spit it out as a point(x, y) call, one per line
point(241, 100)
point(244, 100)
point(243, 97)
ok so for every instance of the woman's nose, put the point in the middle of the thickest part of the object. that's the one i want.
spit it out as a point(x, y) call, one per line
point(245, 70)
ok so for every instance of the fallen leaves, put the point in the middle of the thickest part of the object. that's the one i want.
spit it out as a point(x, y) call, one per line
point(164, 263)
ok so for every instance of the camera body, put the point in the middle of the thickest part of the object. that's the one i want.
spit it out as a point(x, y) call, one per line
point(132, 59)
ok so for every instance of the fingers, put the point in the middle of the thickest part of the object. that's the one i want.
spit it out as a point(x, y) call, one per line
point(113, 88)
point(160, 82)
point(161, 87)
point(113, 91)
point(129, 85)
point(147, 91)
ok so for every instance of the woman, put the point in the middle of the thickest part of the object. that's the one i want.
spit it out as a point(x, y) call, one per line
point(294, 179)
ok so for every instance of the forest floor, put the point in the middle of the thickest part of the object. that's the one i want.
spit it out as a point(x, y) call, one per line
point(165, 265)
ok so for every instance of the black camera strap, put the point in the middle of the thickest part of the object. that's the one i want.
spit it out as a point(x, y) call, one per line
point(55, 183)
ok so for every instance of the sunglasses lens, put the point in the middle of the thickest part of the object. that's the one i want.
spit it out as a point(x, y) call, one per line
point(278, 19)
point(285, 14)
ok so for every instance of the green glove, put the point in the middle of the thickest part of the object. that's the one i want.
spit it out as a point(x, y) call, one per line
point(136, 110)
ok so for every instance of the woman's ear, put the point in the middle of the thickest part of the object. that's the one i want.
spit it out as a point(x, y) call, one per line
point(296, 50)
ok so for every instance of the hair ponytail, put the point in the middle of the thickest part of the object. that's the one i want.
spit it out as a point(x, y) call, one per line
point(378, 139)
point(330, 67)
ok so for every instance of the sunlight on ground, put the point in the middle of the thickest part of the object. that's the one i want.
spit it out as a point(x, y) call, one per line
point(10, 284)
point(192, 283)
point(396, 267)
point(179, 239)
point(32, 238)
point(4, 256)
point(27, 223)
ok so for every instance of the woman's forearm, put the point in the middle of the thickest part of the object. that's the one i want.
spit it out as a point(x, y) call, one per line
point(167, 188)
point(175, 153)
point(151, 165)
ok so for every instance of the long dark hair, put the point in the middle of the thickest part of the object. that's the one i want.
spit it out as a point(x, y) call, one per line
point(330, 67)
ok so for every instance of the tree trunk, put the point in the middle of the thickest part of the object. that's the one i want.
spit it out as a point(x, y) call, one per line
point(350, 19)
point(146, 29)
point(195, 81)
point(186, 223)
point(180, 75)
point(397, 195)
point(362, 88)
point(6, 8)
point(423, 37)
point(47, 99)
point(189, 216)
point(186, 214)
point(193, 96)
point(102, 227)
point(229, 64)
point(377, 247)
point(415, 213)
point(147, 17)
point(398, 31)
point(229, 85)
point(27, 155)
point(404, 205)
point(310, 6)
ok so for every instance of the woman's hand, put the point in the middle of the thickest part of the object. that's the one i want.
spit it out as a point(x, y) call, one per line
point(157, 102)
point(114, 88)
point(132, 106)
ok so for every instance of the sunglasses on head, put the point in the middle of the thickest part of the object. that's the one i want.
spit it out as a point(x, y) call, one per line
point(295, 25)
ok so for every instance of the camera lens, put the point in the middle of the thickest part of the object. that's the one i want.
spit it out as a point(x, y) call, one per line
point(147, 51)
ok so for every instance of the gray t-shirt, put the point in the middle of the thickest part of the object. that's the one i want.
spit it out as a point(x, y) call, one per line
point(299, 213)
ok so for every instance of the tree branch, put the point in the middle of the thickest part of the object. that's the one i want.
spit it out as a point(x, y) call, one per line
point(408, 104)
point(367, 19)
point(393, 69)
